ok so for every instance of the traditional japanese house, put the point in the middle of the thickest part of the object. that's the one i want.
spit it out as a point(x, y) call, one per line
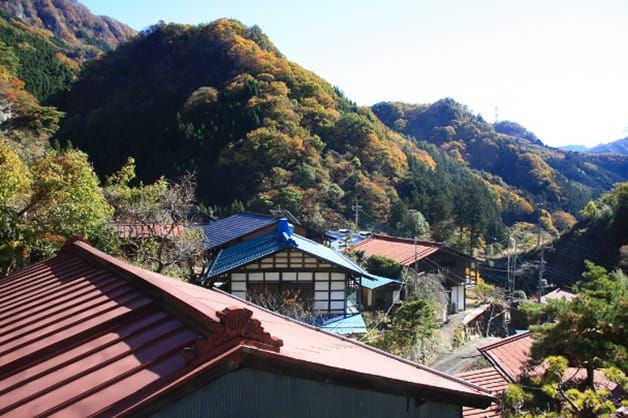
point(85, 334)
point(281, 261)
point(458, 269)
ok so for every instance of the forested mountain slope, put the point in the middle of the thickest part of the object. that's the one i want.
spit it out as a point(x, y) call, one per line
point(72, 23)
point(601, 237)
point(44, 63)
point(556, 178)
point(221, 100)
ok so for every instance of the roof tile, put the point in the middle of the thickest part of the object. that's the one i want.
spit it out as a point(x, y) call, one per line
point(402, 250)
point(233, 227)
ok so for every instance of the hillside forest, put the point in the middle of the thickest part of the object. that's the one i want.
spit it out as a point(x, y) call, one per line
point(220, 103)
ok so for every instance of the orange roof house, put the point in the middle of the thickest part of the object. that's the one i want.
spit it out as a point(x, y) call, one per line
point(85, 334)
point(509, 360)
point(457, 267)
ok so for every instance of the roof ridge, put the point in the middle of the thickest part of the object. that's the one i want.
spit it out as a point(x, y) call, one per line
point(504, 341)
point(406, 239)
point(250, 213)
point(358, 343)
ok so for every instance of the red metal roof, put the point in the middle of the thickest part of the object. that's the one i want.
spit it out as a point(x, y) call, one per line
point(86, 334)
point(510, 355)
point(491, 379)
point(136, 231)
point(402, 250)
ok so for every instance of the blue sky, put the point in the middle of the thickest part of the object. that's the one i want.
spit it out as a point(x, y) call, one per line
point(558, 67)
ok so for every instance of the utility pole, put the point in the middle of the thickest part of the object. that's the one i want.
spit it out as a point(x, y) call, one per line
point(508, 275)
point(514, 267)
point(542, 261)
point(357, 207)
point(541, 268)
point(416, 257)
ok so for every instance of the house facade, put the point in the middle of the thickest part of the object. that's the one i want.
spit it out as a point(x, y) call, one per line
point(281, 262)
point(89, 335)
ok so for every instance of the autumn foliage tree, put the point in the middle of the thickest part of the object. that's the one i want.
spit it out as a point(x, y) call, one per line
point(44, 202)
point(156, 222)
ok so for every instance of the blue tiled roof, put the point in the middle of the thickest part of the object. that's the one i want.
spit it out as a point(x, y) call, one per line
point(374, 282)
point(233, 227)
point(353, 324)
point(275, 241)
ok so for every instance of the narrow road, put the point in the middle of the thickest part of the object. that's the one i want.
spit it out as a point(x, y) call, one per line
point(462, 358)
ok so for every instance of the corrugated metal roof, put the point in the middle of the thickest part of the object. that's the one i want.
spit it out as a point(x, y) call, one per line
point(490, 379)
point(233, 227)
point(76, 338)
point(344, 325)
point(275, 241)
point(510, 355)
point(402, 250)
point(375, 282)
point(86, 334)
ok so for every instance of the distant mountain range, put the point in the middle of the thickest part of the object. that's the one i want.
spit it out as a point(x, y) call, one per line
point(220, 100)
point(72, 23)
point(616, 147)
point(508, 152)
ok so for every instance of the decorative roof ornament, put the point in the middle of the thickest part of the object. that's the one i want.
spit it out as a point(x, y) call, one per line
point(236, 325)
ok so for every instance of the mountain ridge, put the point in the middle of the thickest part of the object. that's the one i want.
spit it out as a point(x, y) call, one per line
point(73, 23)
point(558, 179)
point(619, 146)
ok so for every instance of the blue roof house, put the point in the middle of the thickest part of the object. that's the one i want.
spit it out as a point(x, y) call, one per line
point(281, 260)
